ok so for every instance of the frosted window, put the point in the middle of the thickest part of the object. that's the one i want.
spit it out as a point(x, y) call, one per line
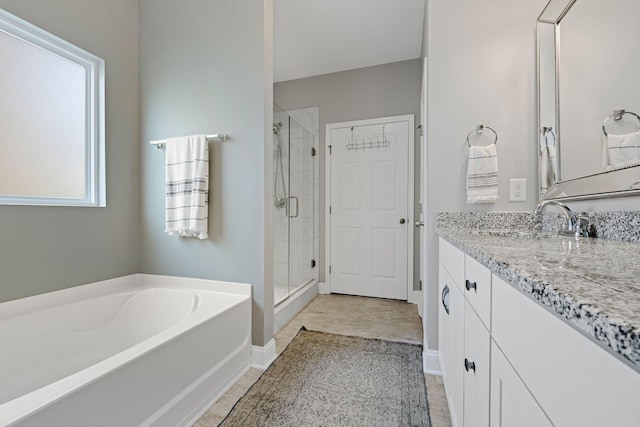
point(51, 119)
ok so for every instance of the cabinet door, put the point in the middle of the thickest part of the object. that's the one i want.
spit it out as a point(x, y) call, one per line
point(456, 377)
point(475, 368)
point(511, 402)
point(444, 325)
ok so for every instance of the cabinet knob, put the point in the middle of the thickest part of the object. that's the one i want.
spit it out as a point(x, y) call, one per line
point(469, 366)
point(471, 285)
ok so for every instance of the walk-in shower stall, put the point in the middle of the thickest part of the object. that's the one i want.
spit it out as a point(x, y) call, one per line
point(294, 208)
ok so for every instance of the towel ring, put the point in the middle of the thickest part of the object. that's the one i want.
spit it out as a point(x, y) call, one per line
point(546, 130)
point(616, 116)
point(479, 128)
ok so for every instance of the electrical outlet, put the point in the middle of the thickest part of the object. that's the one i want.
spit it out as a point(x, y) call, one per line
point(518, 190)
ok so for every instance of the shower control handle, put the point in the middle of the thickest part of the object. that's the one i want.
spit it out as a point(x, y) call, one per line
point(402, 220)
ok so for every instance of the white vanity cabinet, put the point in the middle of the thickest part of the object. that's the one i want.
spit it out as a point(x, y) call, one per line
point(509, 361)
point(464, 293)
point(575, 381)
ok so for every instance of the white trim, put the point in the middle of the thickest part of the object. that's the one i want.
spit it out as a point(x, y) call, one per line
point(431, 362)
point(290, 307)
point(94, 143)
point(323, 288)
point(263, 357)
point(410, 190)
point(424, 242)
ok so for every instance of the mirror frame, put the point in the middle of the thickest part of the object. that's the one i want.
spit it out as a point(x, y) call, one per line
point(593, 186)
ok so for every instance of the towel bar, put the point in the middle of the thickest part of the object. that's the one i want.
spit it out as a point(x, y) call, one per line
point(220, 136)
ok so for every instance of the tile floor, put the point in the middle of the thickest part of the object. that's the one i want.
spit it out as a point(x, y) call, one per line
point(348, 315)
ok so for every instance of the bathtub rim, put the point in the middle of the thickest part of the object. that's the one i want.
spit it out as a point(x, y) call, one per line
point(22, 407)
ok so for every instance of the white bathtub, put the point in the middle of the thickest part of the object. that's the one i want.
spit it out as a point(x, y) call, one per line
point(134, 351)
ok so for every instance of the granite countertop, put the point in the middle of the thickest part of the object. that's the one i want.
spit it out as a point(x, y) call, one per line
point(592, 283)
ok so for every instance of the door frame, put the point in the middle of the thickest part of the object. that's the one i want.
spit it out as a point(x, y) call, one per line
point(410, 193)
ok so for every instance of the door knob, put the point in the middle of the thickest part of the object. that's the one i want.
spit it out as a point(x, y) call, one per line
point(402, 220)
point(419, 223)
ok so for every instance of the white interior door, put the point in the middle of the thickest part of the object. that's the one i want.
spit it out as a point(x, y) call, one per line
point(369, 208)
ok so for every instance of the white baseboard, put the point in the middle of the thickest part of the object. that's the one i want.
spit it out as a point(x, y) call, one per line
point(323, 288)
point(263, 357)
point(431, 363)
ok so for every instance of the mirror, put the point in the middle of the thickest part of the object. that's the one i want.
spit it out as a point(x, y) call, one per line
point(589, 99)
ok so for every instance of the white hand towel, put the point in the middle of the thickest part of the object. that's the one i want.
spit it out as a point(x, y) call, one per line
point(482, 174)
point(623, 149)
point(187, 186)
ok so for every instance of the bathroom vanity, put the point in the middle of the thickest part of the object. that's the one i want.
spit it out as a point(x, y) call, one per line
point(537, 329)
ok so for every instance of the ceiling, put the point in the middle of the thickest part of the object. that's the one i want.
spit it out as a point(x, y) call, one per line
point(313, 37)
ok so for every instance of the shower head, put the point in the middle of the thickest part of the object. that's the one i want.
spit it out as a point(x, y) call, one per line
point(276, 127)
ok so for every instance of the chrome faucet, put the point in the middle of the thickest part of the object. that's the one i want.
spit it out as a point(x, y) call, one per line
point(573, 226)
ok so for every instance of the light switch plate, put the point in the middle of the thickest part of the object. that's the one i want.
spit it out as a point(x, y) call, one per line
point(518, 190)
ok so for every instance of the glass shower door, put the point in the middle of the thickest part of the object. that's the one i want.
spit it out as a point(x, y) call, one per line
point(301, 207)
point(294, 208)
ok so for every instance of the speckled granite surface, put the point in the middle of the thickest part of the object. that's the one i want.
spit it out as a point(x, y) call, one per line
point(616, 225)
point(486, 220)
point(622, 225)
point(592, 283)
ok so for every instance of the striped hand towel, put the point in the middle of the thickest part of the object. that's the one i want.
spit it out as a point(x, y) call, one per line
point(187, 186)
point(482, 174)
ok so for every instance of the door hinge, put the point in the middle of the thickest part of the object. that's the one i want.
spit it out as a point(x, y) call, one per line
point(329, 269)
point(313, 151)
point(420, 285)
point(313, 263)
point(330, 150)
point(329, 210)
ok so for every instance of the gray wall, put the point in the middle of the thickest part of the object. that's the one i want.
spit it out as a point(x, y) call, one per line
point(425, 31)
point(366, 93)
point(482, 69)
point(205, 67)
point(50, 248)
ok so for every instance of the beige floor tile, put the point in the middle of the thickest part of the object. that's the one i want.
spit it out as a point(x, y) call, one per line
point(348, 315)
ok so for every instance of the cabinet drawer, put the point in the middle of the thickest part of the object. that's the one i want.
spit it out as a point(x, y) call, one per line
point(575, 381)
point(477, 289)
point(452, 259)
point(475, 367)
